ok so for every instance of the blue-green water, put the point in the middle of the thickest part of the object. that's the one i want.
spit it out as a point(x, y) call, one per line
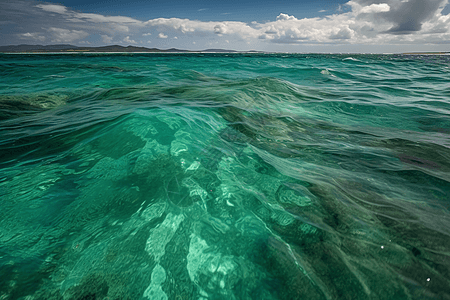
point(224, 176)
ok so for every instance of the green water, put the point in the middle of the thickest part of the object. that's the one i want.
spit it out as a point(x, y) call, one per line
point(224, 176)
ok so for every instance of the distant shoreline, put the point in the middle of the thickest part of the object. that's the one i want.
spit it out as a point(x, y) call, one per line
point(209, 52)
point(117, 49)
point(63, 48)
point(152, 52)
point(427, 53)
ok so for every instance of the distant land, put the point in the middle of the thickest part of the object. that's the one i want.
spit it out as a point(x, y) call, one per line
point(113, 48)
point(64, 48)
point(426, 53)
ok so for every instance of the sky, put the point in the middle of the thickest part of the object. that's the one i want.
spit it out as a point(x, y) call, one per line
point(326, 26)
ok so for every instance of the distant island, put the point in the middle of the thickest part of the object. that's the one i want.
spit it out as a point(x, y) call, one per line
point(64, 48)
point(113, 48)
point(426, 53)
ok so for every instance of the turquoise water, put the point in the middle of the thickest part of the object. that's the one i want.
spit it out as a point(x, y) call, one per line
point(224, 176)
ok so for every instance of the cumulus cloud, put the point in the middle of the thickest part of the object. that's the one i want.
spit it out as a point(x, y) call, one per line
point(405, 17)
point(146, 34)
point(220, 29)
point(343, 34)
point(162, 35)
point(129, 41)
point(375, 8)
point(285, 17)
point(33, 36)
point(411, 15)
point(106, 39)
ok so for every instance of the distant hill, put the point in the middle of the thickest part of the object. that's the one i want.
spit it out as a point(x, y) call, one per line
point(219, 51)
point(113, 48)
point(25, 48)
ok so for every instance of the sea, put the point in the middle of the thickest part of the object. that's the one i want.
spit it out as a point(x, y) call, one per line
point(224, 176)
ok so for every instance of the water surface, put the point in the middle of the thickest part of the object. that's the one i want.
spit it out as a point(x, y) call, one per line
point(224, 176)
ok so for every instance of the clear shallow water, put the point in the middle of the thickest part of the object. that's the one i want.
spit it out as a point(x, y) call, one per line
point(224, 176)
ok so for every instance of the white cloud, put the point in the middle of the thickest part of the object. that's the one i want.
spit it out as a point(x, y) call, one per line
point(361, 8)
point(34, 36)
point(146, 34)
point(106, 39)
point(53, 8)
point(128, 40)
point(115, 23)
point(183, 25)
point(162, 35)
point(97, 18)
point(401, 17)
point(285, 17)
point(61, 35)
point(220, 29)
point(375, 8)
point(342, 34)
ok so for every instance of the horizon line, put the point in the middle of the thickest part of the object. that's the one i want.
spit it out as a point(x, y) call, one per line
point(68, 50)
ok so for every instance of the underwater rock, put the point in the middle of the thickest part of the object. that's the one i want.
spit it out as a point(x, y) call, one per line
point(91, 287)
point(12, 109)
point(149, 153)
point(109, 168)
point(154, 290)
point(210, 157)
point(230, 144)
point(12, 106)
point(287, 266)
point(230, 134)
point(212, 272)
point(161, 235)
point(141, 126)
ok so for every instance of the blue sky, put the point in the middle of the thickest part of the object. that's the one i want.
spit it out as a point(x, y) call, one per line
point(377, 26)
point(214, 10)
